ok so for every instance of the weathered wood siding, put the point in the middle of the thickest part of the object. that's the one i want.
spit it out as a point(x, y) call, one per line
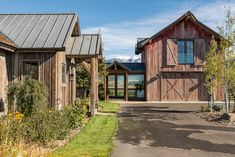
point(5, 77)
point(47, 69)
point(160, 57)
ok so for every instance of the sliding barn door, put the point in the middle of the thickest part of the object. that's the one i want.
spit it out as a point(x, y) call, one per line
point(183, 87)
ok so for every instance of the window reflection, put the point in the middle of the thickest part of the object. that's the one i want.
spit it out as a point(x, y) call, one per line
point(136, 86)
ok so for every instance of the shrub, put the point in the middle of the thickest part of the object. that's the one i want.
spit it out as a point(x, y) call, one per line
point(204, 109)
point(11, 128)
point(217, 107)
point(76, 112)
point(28, 94)
point(45, 125)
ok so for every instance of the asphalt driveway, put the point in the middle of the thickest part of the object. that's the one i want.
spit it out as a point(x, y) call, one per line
point(170, 130)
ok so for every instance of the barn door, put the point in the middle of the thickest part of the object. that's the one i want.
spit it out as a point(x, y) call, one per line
point(172, 86)
point(199, 51)
point(171, 50)
point(194, 86)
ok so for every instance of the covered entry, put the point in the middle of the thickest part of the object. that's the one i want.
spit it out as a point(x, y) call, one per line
point(125, 81)
point(86, 50)
point(183, 86)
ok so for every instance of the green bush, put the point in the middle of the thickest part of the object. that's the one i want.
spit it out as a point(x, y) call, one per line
point(217, 107)
point(11, 128)
point(28, 94)
point(46, 126)
point(76, 112)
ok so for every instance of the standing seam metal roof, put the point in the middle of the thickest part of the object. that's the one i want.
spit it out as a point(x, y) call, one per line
point(86, 44)
point(37, 30)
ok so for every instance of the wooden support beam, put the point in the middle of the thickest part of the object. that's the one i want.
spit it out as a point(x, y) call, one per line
point(97, 81)
point(93, 88)
point(126, 86)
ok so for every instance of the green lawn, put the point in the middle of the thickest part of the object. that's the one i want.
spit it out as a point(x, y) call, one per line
point(95, 140)
point(106, 106)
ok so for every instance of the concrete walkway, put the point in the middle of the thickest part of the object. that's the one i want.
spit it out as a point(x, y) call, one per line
point(170, 130)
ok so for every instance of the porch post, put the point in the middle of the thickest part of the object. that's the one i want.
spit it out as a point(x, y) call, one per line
point(126, 86)
point(93, 86)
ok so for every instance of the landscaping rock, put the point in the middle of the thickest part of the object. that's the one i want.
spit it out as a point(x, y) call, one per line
point(225, 116)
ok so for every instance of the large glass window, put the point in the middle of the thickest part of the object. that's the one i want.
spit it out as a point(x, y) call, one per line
point(185, 52)
point(31, 69)
point(120, 85)
point(136, 86)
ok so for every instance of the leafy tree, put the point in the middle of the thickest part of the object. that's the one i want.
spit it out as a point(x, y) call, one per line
point(213, 67)
point(219, 67)
point(83, 77)
point(227, 46)
point(102, 75)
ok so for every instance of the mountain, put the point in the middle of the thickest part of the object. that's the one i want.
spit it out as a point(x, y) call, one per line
point(132, 59)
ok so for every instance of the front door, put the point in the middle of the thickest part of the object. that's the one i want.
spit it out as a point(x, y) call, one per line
point(116, 86)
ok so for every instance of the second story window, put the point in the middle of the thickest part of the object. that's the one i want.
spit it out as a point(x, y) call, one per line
point(185, 52)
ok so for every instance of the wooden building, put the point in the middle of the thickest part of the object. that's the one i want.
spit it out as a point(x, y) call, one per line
point(125, 81)
point(174, 59)
point(47, 47)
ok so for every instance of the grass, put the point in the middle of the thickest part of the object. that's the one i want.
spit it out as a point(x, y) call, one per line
point(108, 107)
point(95, 140)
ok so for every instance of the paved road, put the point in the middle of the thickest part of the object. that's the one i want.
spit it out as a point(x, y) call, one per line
point(170, 130)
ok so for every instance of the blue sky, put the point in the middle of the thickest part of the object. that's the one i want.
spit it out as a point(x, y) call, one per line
point(121, 22)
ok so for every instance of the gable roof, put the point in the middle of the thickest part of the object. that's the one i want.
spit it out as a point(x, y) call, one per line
point(86, 45)
point(130, 67)
point(187, 15)
point(38, 30)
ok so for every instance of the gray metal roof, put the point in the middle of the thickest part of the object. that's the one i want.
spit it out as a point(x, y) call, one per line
point(85, 45)
point(37, 30)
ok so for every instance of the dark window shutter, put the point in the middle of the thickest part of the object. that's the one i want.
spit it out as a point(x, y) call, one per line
point(199, 51)
point(171, 49)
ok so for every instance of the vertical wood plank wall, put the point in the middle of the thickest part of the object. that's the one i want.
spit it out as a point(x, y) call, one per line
point(155, 60)
point(50, 72)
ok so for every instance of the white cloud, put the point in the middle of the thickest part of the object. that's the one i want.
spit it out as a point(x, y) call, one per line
point(120, 38)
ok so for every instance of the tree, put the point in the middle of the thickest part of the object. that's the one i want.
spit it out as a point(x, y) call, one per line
point(219, 70)
point(213, 67)
point(227, 46)
point(102, 75)
point(83, 78)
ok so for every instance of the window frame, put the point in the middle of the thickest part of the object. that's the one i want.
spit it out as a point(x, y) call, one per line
point(23, 77)
point(134, 89)
point(64, 83)
point(185, 51)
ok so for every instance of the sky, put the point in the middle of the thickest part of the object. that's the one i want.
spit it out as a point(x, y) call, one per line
point(121, 22)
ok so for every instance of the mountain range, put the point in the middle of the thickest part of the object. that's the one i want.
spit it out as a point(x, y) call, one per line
point(132, 59)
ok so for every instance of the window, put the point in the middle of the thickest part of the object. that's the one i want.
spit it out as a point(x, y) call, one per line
point(116, 85)
point(136, 86)
point(31, 69)
point(64, 73)
point(185, 52)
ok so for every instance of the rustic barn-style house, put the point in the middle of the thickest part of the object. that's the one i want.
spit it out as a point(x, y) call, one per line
point(125, 81)
point(174, 60)
point(47, 47)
